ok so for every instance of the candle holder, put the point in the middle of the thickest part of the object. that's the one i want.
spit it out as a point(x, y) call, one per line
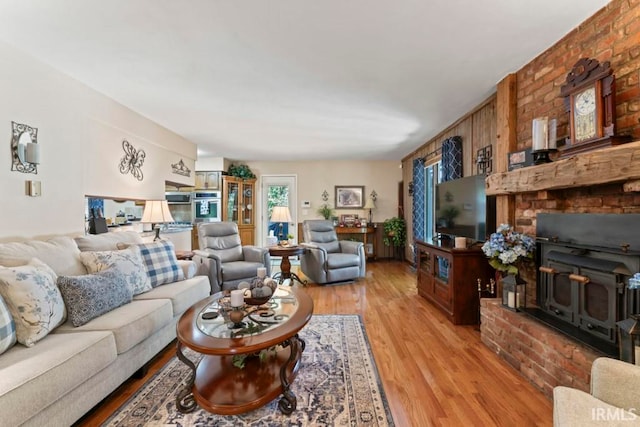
point(513, 292)
point(543, 139)
point(236, 315)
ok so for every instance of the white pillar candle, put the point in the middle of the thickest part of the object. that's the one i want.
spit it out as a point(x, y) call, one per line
point(511, 300)
point(237, 298)
point(262, 272)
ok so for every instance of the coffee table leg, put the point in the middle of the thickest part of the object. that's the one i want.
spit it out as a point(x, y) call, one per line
point(288, 402)
point(185, 401)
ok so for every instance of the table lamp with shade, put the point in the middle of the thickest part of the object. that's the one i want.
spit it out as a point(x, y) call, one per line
point(371, 204)
point(156, 212)
point(280, 214)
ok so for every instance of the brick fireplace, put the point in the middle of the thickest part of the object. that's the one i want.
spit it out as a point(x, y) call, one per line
point(600, 182)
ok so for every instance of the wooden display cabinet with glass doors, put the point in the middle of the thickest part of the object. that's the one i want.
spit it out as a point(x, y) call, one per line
point(238, 205)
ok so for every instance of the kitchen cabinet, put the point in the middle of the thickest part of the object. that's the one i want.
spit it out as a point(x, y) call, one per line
point(238, 200)
point(448, 278)
point(208, 180)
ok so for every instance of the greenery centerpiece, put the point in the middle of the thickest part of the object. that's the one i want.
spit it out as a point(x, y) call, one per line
point(241, 171)
point(508, 249)
point(395, 231)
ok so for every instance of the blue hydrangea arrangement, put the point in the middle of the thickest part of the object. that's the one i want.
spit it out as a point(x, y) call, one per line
point(506, 249)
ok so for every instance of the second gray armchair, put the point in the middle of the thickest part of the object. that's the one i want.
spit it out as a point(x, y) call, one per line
point(223, 258)
point(328, 259)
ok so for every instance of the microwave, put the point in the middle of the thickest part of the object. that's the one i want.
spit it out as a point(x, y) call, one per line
point(175, 197)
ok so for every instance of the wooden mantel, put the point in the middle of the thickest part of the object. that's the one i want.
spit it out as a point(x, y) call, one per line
point(609, 165)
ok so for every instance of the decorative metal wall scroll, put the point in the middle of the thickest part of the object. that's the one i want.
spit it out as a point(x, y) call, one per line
point(484, 160)
point(181, 169)
point(132, 160)
point(21, 135)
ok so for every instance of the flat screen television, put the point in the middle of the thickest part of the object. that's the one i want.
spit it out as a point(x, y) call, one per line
point(463, 209)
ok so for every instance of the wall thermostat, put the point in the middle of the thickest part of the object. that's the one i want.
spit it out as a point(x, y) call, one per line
point(306, 204)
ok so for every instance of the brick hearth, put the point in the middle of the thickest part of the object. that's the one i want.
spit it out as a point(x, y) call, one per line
point(543, 356)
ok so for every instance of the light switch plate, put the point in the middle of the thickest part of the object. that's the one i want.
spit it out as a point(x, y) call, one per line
point(34, 188)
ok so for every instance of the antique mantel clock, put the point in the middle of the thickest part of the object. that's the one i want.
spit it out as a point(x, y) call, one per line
point(589, 94)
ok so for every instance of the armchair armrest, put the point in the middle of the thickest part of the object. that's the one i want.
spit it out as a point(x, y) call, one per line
point(616, 382)
point(254, 253)
point(257, 254)
point(315, 254)
point(209, 264)
point(350, 247)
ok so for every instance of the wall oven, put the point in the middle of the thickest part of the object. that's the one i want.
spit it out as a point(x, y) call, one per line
point(207, 206)
point(180, 206)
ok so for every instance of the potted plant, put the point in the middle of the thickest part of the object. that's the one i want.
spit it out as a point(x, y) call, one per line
point(395, 231)
point(325, 211)
point(509, 250)
point(241, 171)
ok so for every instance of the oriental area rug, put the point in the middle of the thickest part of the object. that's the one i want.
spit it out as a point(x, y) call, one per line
point(337, 385)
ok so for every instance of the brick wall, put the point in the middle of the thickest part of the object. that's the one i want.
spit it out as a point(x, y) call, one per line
point(612, 34)
point(543, 356)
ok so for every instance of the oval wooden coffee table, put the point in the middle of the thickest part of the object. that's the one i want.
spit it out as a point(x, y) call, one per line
point(221, 388)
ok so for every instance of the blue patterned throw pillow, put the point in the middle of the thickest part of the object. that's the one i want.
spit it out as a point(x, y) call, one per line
point(33, 299)
point(127, 261)
point(93, 295)
point(7, 328)
point(161, 262)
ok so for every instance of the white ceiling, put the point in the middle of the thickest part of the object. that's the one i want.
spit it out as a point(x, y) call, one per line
point(293, 79)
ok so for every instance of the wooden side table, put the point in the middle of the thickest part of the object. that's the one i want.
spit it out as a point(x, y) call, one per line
point(285, 265)
point(184, 255)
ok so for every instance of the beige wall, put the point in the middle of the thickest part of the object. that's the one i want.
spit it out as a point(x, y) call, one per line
point(80, 133)
point(314, 177)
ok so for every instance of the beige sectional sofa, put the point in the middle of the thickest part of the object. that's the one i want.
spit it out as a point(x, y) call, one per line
point(71, 369)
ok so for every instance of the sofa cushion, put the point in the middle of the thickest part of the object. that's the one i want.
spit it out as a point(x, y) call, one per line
point(183, 294)
point(7, 328)
point(128, 262)
point(60, 253)
point(107, 241)
point(34, 378)
point(92, 295)
point(131, 323)
point(33, 299)
point(161, 262)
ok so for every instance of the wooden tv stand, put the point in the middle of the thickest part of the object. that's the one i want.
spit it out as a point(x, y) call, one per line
point(448, 278)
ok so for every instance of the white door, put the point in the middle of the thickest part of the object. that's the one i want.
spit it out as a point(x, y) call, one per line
point(279, 190)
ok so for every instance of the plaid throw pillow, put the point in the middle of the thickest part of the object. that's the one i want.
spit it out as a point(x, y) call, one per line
point(7, 328)
point(161, 262)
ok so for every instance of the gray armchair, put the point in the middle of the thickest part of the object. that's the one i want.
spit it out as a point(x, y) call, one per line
point(223, 258)
point(328, 259)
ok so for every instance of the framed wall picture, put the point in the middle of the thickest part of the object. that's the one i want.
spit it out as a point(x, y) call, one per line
point(349, 196)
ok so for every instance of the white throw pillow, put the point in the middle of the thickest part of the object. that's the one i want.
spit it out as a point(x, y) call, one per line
point(34, 300)
point(128, 262)
point(7, 328)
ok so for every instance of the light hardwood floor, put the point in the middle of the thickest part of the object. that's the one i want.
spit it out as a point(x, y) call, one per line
point(434, 373)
